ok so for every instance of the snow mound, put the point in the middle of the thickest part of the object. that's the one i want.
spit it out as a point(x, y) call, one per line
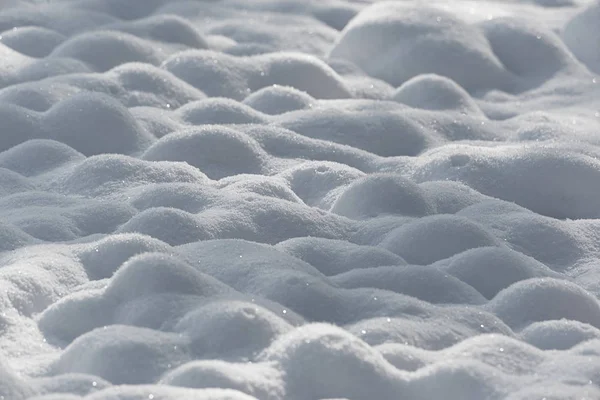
point(543, 299)
point(335, 14)
point(214, 329)
point(12, 386)
point(374, 130)
point(435, 92)
point(164, 28)
point(67, 21)
point(431, 41)
point(449, 197)
point(103, 174)
point(122, 354)
point(526, 50)
point(424, 283)
point(491, 269)
point(377, 195)
point(103, 258)
point(580, 34)
point(170, 225)
point(146, 85)
point(452, 235)
point(165, 284)
point(533, 177)
point(256, 260)
point(219, 111)
point(32, 41)
point(277, 99)
point(216, 151)
point(258, 380)
point(351, 368)
point(104, 50)
point(315, 182)
point(164, 392)
point(75, 384)
point(38, 156)
point(20, 125)
point(134, 9)
point(94, 124)
point(299, 200)
point(155, 273)
point(261, 185)
point(332, 257)
point(559, 334)
point(221, 75)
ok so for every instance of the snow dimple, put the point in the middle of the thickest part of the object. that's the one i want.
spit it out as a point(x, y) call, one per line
point(299, 200)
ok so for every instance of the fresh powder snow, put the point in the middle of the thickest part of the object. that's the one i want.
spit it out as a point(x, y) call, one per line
point(299, 200)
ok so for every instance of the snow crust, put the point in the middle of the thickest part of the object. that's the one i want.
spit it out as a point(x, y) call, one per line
point(325, 199)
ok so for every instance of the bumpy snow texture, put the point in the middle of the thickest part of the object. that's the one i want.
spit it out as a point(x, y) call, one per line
point(299, 199)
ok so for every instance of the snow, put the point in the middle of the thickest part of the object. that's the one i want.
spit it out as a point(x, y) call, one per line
point(330, 199)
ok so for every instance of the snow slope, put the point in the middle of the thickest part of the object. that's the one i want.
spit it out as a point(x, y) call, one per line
point(299, 199)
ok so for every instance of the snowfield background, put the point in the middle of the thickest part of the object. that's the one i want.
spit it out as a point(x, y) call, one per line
point(296, 199)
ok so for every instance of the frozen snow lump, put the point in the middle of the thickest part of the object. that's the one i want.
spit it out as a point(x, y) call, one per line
point(395, 41)
point(436, 237)
point(435, 92)
point(94, 123)
point(582, 34)
point(217, 151)
point(382, 194)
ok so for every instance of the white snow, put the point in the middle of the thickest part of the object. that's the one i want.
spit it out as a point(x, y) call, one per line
point(299, 199)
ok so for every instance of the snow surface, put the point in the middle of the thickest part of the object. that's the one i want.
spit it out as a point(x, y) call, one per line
point(299, 199)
